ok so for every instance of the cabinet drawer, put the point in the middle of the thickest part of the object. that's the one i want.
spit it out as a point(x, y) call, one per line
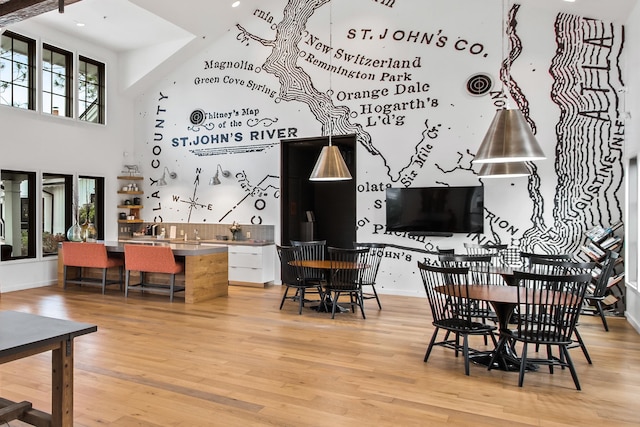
point(237, 249)
point(245, 260)
point(244, 274)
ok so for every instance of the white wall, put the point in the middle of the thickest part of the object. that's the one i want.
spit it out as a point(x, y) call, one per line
point(38, 142)
point(430, 145)
point(282, 85)
point(633, 143)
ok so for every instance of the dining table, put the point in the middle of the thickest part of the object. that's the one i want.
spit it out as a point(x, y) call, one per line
point(24, 335)
point(504, 300)
point(326, 265)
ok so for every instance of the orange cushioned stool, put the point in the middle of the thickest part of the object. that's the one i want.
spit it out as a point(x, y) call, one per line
point(89, 255)
point(151, 259)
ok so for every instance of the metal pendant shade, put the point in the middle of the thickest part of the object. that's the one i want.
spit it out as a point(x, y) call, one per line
point(504, 170)
point(330, 166)
point(509, 139)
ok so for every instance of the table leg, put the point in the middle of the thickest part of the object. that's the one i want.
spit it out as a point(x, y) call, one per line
point(62, 385)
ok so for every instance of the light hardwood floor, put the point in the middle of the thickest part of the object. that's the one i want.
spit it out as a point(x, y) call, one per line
point(239, 361)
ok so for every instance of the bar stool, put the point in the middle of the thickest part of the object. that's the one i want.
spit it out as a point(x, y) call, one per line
point(152, 259)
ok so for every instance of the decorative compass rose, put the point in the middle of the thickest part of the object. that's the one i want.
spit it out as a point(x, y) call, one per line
point(193, 200)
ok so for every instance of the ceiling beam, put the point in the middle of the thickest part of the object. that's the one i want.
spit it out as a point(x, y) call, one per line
point(12, 11)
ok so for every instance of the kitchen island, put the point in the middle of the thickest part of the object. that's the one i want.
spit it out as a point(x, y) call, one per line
point(206, 273)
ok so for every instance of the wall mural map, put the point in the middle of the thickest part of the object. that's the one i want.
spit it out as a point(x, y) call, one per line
point(419, 100)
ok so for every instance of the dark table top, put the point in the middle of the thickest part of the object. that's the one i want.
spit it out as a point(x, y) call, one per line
point(24, 331)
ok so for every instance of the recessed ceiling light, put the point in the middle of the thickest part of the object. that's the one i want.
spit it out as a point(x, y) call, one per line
point(79, 24)
point(235, 4)
point(570, 1)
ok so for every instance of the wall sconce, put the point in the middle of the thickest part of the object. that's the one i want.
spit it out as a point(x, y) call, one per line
point(163, 180)
point(215, 180)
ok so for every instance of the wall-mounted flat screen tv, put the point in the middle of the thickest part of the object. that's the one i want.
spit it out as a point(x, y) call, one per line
point(436, 209)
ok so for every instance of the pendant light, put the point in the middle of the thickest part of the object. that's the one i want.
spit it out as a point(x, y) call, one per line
point(509, 138)
point(330, 165)
point(504, 170)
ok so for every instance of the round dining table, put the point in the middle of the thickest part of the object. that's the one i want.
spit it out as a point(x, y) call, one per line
point(504, 300)
point(326, 265)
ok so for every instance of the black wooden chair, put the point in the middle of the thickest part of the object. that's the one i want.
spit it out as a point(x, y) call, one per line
point(549, 266)
point(446, 288)
point(560, 298)
point(493, 250)
point(526, 257)
point(346, 277)
point(480, 273)
point(598, 291)
point(370, 274)
point(293, 277)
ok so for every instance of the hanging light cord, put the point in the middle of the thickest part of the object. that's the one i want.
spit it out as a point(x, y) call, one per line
point(330, 69)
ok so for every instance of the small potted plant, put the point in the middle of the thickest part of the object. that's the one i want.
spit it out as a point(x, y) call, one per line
point(235, 228)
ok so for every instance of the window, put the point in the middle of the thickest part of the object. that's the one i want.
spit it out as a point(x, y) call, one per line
point(91, 90)
point(631, 225)
point(57, 196)
point(57, 81)
point(17, 72)
point(91, 203)
point(17, 214)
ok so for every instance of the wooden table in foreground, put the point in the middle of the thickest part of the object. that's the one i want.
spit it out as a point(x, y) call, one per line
point(23, 335)
point(206, 268)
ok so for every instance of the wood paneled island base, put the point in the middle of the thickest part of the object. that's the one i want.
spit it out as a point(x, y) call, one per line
point(206, 273)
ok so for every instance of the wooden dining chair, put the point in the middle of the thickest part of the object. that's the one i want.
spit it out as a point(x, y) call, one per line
point(480, 273)
point(312, 250)
point(369, 275)
point(546, 265)
point(292, 276)
point(559, 298)
point(452, 311)
point(346, 277)
point(493, 250)
point(526, 258)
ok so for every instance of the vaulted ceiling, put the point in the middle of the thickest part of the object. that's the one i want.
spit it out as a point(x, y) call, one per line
point(12, 11)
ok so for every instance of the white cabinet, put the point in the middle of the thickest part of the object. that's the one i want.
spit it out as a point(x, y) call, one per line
point(251, 265)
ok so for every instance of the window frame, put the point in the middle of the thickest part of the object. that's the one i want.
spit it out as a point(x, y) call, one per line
point(100, 84)
point(68, 80)
point(66, 211)
point(99, 201)
point(31, 71)
point(27, 211)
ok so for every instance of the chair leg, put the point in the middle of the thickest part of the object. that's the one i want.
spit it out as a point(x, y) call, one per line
point(120, 271)
point(104, 280)
point(284, 296)
point(582, 345)
point(64, 278)
point(360, 298)
point(376, 295)
point(465, 351)
point(172, 283)
point(602, 316)
point(335, 304)
point(301, 294)
point(126, 283)
point(433, 340)
point(523, 364)
point(564, 350)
